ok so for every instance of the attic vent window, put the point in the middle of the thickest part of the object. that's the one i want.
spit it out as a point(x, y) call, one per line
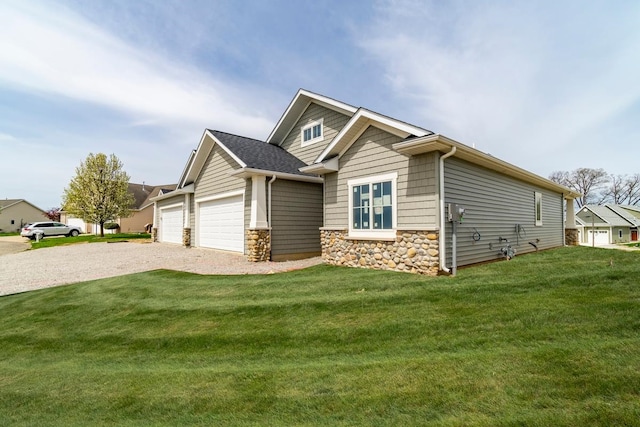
point(312, 132)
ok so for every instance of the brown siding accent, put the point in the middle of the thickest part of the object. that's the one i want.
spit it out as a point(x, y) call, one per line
point(494, 204)
point(332, 124)
point(136, 222)
point(372, 155)
point(295, 220)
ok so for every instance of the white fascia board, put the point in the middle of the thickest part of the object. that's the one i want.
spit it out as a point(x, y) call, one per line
point(189, 189)
point(328, 166)
point(249, 172)
point(196, 161)
point(367, 118)
point(187, 169)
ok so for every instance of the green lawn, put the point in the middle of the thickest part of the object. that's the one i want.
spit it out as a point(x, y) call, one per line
point(48, 242)
point(547, 339)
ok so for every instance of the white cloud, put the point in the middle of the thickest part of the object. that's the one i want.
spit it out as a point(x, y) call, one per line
point(520, 80)
point(57, 52)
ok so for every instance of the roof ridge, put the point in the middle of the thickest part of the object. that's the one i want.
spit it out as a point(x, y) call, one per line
point(236, 135)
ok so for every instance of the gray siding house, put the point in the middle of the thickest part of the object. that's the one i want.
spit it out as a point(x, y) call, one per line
point(362, 189)
point(608, 224)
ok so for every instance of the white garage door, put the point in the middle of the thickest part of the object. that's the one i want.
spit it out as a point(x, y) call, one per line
point(221, 224)
point(77, 222)
point(171, 225)
point(602, 237)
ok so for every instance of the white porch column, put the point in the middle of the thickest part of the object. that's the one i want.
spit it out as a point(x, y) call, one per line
point(187, 211)
point(258, 202)
point(570, 221)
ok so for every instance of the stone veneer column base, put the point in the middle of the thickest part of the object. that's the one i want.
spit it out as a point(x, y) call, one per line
point(571, 237)
point(258, 245)
point(154, 234)
point(410, 252)
point(186, 237)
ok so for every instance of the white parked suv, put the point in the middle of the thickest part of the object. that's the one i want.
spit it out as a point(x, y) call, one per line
point(49, 228)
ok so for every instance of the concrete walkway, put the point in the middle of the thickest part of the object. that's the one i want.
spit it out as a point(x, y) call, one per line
point(614, 246)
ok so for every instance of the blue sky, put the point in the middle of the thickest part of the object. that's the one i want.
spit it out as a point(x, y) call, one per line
point(545, 85)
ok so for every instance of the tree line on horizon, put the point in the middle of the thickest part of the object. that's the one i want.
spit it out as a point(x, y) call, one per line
point(599, 187)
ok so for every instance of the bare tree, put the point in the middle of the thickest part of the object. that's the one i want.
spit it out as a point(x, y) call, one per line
point(632, 189)
point(586, 181)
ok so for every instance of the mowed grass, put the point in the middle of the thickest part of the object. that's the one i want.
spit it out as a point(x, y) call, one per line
point(547, 339)
point(49, 242)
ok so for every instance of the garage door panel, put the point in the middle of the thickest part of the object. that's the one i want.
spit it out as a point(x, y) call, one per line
point(601, 237)
point(171, 221)
point(221, 224)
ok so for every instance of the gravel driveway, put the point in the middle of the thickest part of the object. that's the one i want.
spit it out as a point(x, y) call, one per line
point(42, 268)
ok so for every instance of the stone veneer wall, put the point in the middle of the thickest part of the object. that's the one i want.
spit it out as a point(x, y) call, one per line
point(258, 245)
point(154, 234)
point(571, 237)
point(411, 251)
point(186, 237)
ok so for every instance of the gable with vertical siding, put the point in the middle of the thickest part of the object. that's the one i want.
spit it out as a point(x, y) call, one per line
point(333, 122)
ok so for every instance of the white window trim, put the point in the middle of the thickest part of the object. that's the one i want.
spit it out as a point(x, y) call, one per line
point(311, 125)
point(538, 202)
point(375, 234)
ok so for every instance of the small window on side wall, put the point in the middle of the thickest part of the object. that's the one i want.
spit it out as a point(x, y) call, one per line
point(312, 132)
point(538, 208)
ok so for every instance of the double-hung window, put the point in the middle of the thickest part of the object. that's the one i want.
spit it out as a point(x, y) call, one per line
point(312, 132)
point(373, 206)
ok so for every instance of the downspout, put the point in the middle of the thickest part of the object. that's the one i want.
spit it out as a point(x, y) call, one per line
point(271, 181)
point(441, 243)
point(273, 178)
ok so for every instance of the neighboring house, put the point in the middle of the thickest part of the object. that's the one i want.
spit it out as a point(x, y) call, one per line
point(141, 210)
point(362, 189)
point(607, 224)
point(14, 213)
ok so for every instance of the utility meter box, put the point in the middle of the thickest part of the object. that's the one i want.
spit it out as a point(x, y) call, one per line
point(455, 212)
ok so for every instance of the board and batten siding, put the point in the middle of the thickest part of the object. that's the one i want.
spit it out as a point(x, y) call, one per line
point(333, 122)
point(373, 155)
point(495, 205)
point(216, 179)
point(296, 218)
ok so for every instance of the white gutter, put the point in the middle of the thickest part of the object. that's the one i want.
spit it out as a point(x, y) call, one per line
point(441, 243)
point(271, 181)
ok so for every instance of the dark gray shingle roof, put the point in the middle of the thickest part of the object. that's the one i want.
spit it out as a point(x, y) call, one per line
point(258, 154)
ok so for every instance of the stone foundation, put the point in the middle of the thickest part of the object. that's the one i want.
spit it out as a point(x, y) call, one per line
point(186, 237)
point(411, 251)
point(571, 237)
point(154, 234)
point(258, 245)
